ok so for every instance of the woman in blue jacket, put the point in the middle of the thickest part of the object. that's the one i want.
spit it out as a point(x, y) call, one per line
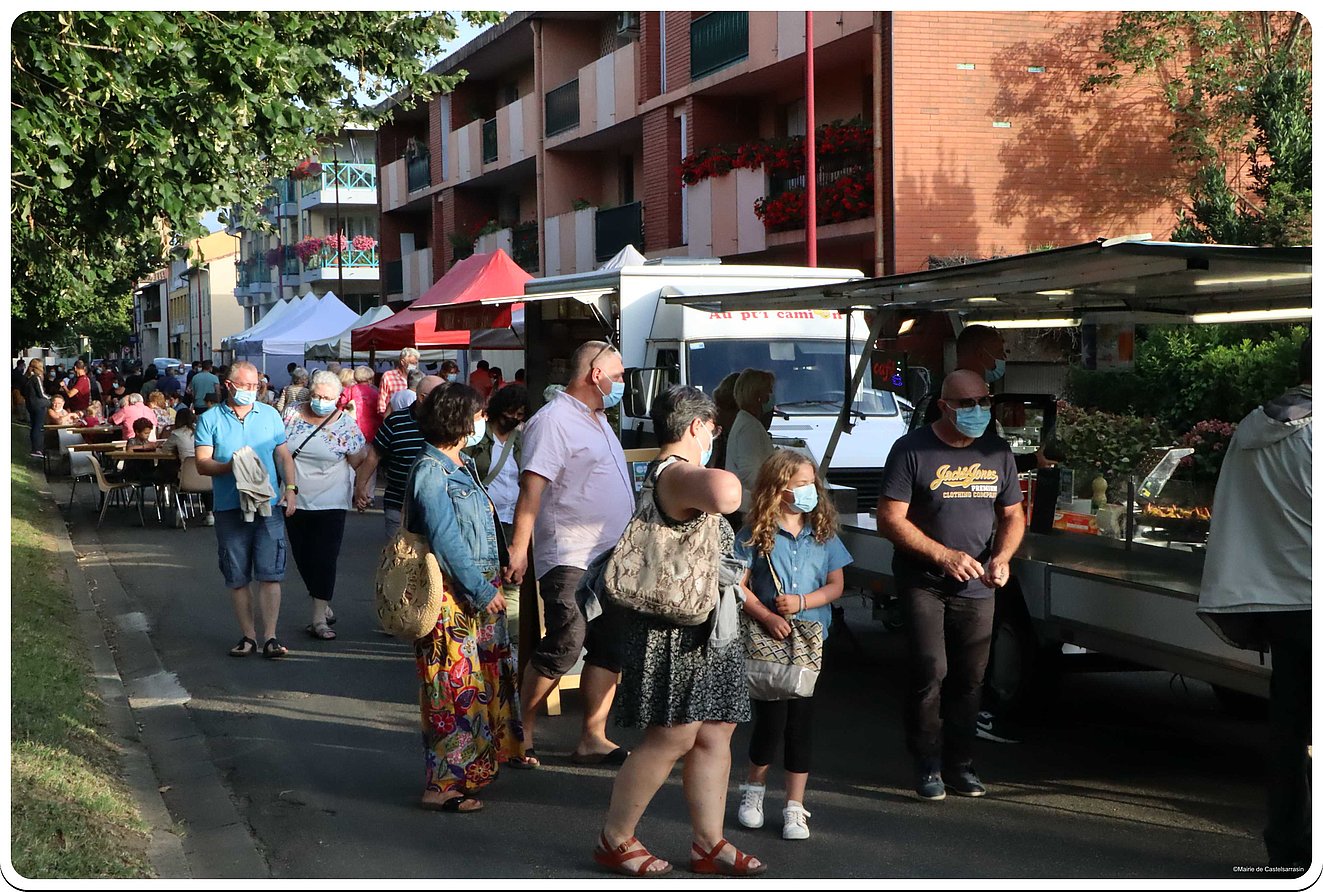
point(470, 710)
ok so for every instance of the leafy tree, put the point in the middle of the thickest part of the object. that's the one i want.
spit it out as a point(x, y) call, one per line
point(1239, 87)
point(126, 126)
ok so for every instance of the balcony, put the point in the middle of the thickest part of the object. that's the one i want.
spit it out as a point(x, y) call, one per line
point(563, 108)
point(394, 184)
point(617, 227)
point(570, 242)
point(716, 41)
point(520, 242)
point(417, 267)
point(393, 272)
point(420, 172)
point(490, 150)
point(516, 130)
point(346, 183)
point(721, 217)
point(351, 263)
point(606, 95)
point(466, 153)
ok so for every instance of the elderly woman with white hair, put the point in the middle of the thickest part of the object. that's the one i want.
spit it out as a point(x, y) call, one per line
point(327, 447)
point(295, 392)
point(133, 409)
point(749, 444)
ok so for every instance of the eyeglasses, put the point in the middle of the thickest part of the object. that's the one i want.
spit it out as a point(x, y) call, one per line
point(983, 402)
point(598, 354)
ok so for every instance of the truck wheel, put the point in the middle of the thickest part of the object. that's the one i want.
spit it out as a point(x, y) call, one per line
point(1021, 669)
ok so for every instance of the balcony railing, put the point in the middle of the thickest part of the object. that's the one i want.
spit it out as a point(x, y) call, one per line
point(420, 172)
point(717, 40)
point(830, 170)
point(345, 174)
point(563, 108)
point(394, 276)
point(523, 241)
point(351, 257)
point(617, 227)
point(489, 142)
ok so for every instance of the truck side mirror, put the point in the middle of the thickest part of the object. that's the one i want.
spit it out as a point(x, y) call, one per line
point(635, 402)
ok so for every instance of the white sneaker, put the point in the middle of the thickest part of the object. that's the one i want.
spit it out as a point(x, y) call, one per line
point(210, 521)
point(796, 822)
point(751, 805)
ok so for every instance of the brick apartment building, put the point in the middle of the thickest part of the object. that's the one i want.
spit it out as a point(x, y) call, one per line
point(564, 142)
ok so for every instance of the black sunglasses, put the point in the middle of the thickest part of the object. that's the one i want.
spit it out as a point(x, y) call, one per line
point(983, 402)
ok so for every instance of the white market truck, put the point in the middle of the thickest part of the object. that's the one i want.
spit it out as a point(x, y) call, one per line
point(1077, 600)
point(662, 343)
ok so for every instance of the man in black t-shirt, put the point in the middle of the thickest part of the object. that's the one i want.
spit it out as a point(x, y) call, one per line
point(950, 504)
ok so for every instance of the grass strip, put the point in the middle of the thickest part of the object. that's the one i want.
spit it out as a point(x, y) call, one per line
point(72, 816)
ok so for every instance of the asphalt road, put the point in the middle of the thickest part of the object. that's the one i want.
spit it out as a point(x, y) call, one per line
point(1123, 776)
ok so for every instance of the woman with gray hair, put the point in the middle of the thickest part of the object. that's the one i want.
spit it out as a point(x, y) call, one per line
point(327, 446)
point(687, 694)
point(296, 391)
point(749, 444)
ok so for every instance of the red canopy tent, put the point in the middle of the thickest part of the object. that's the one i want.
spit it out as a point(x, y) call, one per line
point(473, 279)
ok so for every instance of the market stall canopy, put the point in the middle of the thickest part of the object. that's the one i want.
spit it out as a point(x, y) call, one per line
point(1124, 279)
point(456, 296)
point(626, 256)
point(276, 311)
point(339, 346)
point(298, 309)
point(327, 317)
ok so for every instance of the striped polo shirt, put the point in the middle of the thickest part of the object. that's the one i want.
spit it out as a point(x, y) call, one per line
point(399, 441)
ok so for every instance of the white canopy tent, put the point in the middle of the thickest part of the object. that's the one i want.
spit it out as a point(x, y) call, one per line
point(327, 316)
point(339, 346)
point(279, 309)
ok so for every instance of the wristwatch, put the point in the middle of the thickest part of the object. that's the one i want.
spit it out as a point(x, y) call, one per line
point(292, 488)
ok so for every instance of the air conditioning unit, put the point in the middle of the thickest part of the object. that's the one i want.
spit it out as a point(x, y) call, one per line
point(627, 23)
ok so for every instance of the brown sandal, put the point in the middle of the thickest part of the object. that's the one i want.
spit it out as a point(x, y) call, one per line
point(614, 858)
point(708, 863)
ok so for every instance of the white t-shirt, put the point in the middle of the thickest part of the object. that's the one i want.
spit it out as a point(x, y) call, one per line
point(504, 490)
point(326, 482)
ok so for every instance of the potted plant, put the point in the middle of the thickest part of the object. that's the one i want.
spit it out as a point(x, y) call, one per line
point(307, 248)
point(363, 242)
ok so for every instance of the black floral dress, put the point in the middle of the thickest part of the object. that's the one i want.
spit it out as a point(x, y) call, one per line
point(669, 674)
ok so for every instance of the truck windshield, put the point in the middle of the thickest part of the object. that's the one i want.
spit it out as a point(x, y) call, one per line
point(809, 374)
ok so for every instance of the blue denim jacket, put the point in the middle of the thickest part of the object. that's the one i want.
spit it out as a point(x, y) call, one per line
point(449, 506)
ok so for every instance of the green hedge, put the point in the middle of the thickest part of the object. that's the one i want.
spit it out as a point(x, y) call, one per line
point(1185, 374)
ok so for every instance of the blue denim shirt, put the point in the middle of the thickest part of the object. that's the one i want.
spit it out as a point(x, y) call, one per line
point(801, 563)
point(449, 506)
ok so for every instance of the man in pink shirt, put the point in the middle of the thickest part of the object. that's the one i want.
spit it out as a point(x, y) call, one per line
point(396, 379)
point(575, 497)
point(134, 408)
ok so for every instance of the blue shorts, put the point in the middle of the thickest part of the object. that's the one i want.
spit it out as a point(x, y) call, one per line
point(251, 550)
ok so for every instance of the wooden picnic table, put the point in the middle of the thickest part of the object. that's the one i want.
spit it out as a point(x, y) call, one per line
point(122, 454)
point(97, 447)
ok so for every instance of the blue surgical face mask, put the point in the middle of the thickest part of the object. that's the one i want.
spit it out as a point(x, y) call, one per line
point(770, 403)
point(996, 373)
point(707, 452)
point(613, 398)
point(479, 431)
point(245, 397)
point(972, 422)
point(452, 377)
point(806, 497)
point(321, 407)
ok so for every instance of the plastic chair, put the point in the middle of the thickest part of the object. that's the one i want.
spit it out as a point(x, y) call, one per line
point(82, 466)
point(191, 484)
point(108, 490)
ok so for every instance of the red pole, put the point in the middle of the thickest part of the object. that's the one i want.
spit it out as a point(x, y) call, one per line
point(810, 149)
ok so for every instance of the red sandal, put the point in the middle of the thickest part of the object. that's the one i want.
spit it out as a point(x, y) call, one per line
point(708, 863)
point(613, 858)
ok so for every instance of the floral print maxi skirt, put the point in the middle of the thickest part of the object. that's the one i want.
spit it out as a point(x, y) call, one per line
point(470, 709)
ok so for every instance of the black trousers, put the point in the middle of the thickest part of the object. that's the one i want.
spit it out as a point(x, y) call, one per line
point(37, 419)
point(1287, 835)
point(790, 721)
point(314, 541)
point(949, 637)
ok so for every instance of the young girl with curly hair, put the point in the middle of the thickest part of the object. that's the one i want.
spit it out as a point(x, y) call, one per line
point(790, 529)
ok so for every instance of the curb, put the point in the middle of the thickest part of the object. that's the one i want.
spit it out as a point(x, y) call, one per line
point(196, 829)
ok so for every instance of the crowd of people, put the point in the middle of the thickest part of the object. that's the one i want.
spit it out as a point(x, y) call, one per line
point(498, 494)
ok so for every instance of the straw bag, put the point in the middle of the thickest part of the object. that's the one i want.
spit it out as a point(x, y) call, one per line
point(786, 669)
point(663, 570)
point(409, 584)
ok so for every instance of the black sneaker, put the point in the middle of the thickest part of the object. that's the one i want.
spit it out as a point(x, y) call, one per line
point(929, 786)
point(964, 782)
point(989, 727)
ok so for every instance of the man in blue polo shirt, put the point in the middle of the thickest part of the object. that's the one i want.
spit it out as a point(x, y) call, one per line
point(253, 549)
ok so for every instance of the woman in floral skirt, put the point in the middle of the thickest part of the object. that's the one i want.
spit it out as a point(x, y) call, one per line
point(470, 711)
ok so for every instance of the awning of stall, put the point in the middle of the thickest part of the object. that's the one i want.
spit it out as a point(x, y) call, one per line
point(277, 310)
point(327, 316)
point(298, 309)
point(456, 296)
point(338, 346)
point(1125, 279)
point(407, 328)
point(596, 298)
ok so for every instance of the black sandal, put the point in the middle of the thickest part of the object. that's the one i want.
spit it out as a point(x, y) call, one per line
point(527, 762)
point(245, 647)
point(453, 805)
point(273, 649)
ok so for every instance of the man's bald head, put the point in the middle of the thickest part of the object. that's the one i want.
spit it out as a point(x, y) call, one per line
point(963, 384)
point(426, 385)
